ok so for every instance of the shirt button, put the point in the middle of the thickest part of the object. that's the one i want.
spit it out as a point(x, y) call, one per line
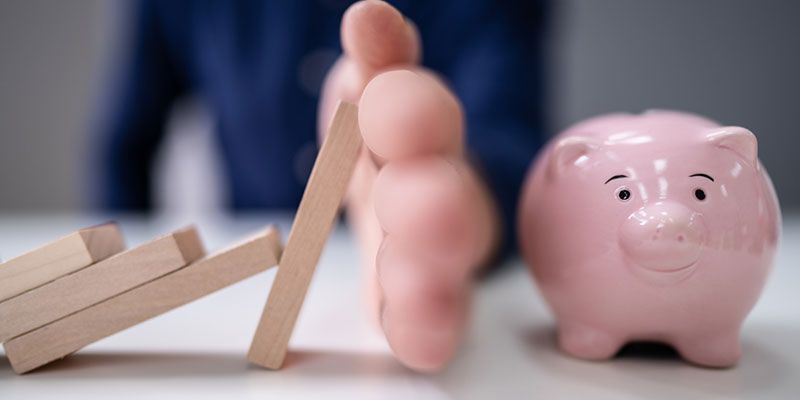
point(312, 70)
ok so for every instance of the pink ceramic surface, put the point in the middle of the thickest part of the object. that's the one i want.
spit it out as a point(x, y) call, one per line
point(658, 227)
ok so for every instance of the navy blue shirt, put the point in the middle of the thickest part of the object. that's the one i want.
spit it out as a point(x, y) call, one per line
point(259, 66)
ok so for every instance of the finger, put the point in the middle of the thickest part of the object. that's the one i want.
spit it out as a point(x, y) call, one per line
point(405, 113)
point(375, 35)
point(425, 308)
point(428, 205)
point(344, 82)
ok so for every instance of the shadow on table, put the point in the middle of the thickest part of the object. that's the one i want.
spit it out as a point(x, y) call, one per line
point(332, 364)
point(640, 368)
point(136, 365)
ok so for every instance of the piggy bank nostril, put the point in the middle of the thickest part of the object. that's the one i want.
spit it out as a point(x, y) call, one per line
point(669, 237)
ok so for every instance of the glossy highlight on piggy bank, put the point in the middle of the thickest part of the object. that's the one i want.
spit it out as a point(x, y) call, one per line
point(654, 227)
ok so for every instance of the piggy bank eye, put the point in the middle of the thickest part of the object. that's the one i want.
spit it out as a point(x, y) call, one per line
point(699, 194)
point(624, 194)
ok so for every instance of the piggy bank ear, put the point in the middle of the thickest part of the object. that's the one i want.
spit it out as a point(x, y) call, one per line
point(737, 139)
point(570, 151)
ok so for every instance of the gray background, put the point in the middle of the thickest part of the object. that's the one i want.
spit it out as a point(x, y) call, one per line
point(736, 61)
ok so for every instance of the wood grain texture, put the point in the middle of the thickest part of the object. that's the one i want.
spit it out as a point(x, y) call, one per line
point(58, 258)
point(67, 335)
point(312, 224)
point(98, 282)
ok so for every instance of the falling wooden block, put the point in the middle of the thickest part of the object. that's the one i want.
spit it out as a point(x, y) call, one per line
point(139, 304)
point(312, 224)
point(61, 257)
point(98, 282)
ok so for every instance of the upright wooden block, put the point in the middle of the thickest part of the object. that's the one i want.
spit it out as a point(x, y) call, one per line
point(312, 225)
point(56, 259)
point(98, 282)
point(139, 304)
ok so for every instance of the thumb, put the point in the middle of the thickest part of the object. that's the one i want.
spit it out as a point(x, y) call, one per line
point(375, 36)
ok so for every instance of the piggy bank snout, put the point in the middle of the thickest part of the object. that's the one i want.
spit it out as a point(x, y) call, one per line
point(664, 236)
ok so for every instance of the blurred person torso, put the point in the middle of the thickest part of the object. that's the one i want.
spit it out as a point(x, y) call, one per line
point(259, 67)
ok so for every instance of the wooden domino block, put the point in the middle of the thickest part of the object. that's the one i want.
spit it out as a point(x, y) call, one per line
point(139, 304)
point(98, 282)
point(312, 224)
point(61, 257)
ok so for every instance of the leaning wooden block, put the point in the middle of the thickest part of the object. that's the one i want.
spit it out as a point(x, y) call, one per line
point(61, 257)
point(312, 225)
point(98, 282)
point(196, 280)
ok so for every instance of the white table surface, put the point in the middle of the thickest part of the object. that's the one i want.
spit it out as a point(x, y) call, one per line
point(198, 351)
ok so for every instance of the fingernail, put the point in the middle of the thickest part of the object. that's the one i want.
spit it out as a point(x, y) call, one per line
point(422, 348)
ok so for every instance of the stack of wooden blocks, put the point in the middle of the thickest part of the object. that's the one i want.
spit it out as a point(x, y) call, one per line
point(85, 286)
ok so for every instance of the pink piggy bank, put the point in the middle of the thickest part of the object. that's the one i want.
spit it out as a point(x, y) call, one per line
point(653, 227)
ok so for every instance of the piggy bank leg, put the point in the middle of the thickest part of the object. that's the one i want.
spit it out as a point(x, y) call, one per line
point(583, 341)
point(716, 351)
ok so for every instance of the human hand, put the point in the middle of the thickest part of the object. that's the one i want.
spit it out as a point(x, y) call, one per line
point(424, 219)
